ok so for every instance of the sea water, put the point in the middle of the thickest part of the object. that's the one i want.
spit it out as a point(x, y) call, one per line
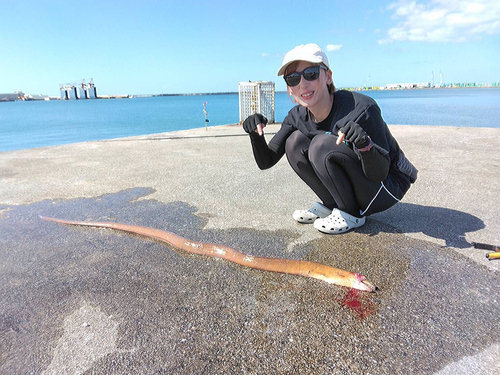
point(46, 123)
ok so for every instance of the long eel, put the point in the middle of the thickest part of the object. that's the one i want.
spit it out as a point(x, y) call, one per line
point(306, 268)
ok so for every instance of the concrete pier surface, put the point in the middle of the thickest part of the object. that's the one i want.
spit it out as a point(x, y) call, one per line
point(78, 300)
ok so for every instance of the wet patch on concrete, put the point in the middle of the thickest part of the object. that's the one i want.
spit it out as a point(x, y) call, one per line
point(174, 312)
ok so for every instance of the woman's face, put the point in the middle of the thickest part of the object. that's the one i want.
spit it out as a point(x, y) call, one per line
point(310, 93)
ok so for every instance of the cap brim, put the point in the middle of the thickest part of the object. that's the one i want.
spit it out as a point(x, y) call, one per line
point(282, 70)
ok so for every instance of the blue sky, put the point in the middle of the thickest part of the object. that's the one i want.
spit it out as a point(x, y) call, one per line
point(152, 47)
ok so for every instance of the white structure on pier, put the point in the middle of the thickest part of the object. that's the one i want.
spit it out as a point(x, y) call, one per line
point(256, 97)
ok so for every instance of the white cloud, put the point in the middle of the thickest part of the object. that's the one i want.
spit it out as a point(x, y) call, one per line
point(333, 47)
point(264, 54)
point(443, 20)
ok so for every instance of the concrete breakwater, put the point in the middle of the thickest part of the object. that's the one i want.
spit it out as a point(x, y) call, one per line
point(116, 303)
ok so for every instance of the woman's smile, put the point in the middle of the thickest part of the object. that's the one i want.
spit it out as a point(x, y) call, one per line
point(307, 95)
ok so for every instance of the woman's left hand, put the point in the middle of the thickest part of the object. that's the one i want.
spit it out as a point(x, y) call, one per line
point(354, 133)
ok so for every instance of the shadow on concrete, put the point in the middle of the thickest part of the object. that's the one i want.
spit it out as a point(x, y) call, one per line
point(437, 222)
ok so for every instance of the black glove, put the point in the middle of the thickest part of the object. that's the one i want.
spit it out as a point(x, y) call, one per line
point(250, 124)
point(355, 134)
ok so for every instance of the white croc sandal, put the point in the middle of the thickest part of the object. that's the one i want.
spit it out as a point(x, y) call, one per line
point(338, 222)
point(309, 216)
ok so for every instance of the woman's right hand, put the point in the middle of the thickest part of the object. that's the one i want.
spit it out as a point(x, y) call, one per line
point(255, 123)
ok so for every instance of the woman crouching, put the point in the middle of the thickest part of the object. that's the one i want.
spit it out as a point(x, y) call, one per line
point(338, 144)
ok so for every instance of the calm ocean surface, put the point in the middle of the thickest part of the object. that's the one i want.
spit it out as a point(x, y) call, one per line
point(47, 123)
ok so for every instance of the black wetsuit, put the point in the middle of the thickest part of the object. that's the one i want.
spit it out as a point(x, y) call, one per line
point(360, 183)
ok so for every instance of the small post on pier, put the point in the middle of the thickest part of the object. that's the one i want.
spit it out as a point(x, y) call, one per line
point(206, 115)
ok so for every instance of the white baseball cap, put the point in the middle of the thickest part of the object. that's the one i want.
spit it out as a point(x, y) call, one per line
point(306, 52)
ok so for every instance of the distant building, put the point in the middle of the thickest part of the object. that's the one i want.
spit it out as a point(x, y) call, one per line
point(82, 91)
point(405, 86)
point(73, 93)
point(92, 92)
point(11, 97)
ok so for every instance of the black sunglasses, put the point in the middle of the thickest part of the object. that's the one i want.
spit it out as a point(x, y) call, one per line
point(309, 74)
